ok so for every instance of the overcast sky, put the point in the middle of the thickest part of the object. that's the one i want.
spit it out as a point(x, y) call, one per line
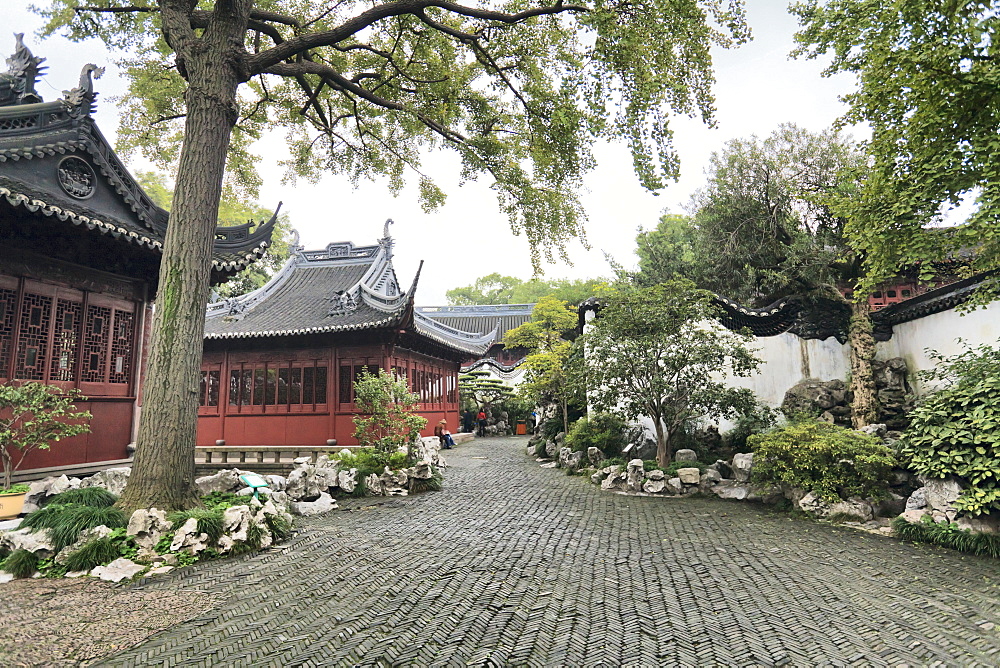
point(758, 87)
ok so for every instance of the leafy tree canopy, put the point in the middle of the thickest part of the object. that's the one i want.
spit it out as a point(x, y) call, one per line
point(927, 78)
point(762, 226)
point(552, 320)
point(656, 352)
point(521, 90)
point(233, 211)
point(497, 289)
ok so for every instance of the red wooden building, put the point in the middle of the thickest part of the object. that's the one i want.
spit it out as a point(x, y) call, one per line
point(279, 363)
point(80, 247)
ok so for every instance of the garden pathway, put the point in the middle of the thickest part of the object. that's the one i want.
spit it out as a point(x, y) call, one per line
point(512, 564)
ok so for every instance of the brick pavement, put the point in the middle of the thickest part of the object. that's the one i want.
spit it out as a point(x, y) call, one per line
point(514, 565)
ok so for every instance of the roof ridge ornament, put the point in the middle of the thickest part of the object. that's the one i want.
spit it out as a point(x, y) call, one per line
point(386, 239)
point(81, 101)
point(17, 85)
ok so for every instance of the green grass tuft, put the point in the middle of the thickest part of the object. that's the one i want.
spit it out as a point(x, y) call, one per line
point(97, 552)
point(281, 529)
point(209, 521)
point(21, 564)
point(67, 521)
point(432, 484)
point(947, 534)
point(97, 497)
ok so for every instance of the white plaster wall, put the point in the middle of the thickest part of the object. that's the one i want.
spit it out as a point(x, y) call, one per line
point(788, 359)
point(942, 332)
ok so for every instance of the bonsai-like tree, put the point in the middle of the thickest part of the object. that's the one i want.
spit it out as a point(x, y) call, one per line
point(657, 352)
point(35, 415)
point(480, 388)
point(388, 422)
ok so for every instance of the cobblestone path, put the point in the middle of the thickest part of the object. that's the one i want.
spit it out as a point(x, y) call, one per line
point(516, 565)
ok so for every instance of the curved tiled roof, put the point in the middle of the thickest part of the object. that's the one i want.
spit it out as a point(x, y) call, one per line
point(497, 318)
point(337, 289)
point(35, 131)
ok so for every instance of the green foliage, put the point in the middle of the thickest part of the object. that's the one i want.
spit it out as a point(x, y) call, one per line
point(18, 488)
point(97, 497)
point(925, 156)
point(67, 521)
point(209, 521)
point(255, 537)
point(370, 460)
point(497, 289)
point(388, 421)
point(478, 389)
point(281, 528)
point(667, 252)
point(651, 352)
point(552, 320)
point(603, 431)
point(832, 462)
point(21, 563)
point(671, 469)
point(947, 534)
point(757, 421)
point(956, 430)
point(522, 97)
point(93, 553)
point(223, 500)
point(32, 416)
point(433, 484)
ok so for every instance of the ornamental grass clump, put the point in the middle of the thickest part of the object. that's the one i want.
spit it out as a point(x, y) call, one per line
point(93, 553)
point(67, 521)
point(955, 431)
point(947, 534)
point(209, 521)
point(21, 563)
point(832, 462)
point(95, 497)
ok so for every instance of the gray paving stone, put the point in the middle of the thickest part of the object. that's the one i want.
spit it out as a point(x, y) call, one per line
point(546, 569)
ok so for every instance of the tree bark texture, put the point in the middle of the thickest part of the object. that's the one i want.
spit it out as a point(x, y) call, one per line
point(663, 454)
point(163, 469)
point(864, 407)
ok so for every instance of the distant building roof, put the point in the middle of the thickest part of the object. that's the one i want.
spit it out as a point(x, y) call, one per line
point(55, 162)
point(498, 318)
point(341, 288)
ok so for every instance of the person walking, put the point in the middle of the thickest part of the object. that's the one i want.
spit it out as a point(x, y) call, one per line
point(481, 418)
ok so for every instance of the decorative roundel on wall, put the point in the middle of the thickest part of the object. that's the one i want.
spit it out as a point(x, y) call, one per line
point(76, 177)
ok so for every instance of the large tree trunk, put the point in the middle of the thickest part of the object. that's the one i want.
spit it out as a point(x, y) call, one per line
point(663, 450)
point(864, 407)
point(163, 470)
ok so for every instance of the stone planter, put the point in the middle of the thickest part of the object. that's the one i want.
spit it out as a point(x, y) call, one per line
point(11, 505)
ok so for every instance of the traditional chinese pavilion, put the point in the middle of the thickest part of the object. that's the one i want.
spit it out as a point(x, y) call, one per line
point(280, 363)
point(80, 247)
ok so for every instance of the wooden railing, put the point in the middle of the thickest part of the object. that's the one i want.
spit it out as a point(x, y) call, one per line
point(264, 459)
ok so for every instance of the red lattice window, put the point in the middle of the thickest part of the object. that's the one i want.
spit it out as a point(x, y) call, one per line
point(121, 347)
point(33, 340)
point(274, 386)
point(65, 337)
point(209, 389)
point(8, 303)
point(95, 343)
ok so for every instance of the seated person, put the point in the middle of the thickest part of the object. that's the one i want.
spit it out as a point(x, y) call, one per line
point(441, 431)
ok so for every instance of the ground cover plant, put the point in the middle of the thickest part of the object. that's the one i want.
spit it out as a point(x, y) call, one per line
point(830, 461)
point(947, 534)
point(955, 431)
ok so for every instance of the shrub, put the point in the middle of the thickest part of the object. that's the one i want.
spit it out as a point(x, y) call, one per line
point(93, 553)
point(67, 521)
point(603, 431)
point(370, 460)
point(388, 407)
point(947, 534)
point(956, 430)
point(21, 563)
point(671, 468)
point(830, 461)
point(756, 421)
point(96, 497)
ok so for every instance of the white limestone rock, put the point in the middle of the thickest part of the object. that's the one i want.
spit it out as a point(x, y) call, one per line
point(941, 494)
point(685, 455)
point(689, 475)
point(634, 476)
point(160, 570)
point(595, 456)
point(656, 474)
point(730, 489)
point(617, 479)
point(813, 504)
point(551, 449)
point(277, 483)
point(148, 525)
point(188, 539)
point(710, 477)
point(118, 570)
point(323, 504)
point(236, 521)
point(854, 506)
point(40, 490)
point(742, 464)
point(675, 486)
point(374, 485)
point(39, 542)
point(112, 479)
point(226, 480)
point(651, 486)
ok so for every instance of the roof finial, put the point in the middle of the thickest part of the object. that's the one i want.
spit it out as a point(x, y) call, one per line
point(385, 230)
point(80, 100)
point(17, 86)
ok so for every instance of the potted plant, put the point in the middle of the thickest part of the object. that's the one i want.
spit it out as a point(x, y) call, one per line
point(32, 416)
